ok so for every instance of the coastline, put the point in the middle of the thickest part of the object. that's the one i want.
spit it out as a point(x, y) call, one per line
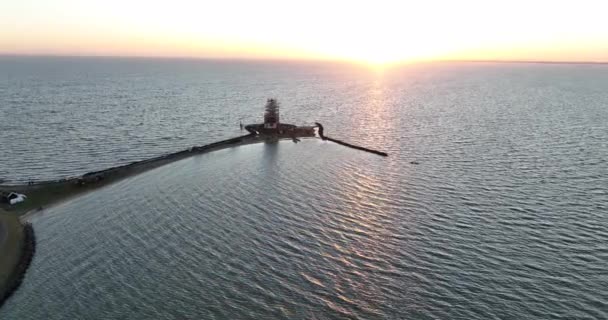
point(17, 245)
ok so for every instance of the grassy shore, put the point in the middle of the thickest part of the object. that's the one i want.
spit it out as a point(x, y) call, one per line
point(11, 243)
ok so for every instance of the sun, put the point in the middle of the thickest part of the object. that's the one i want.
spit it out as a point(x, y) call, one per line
point(378, 46)
point(377, 54)
point(377, 59)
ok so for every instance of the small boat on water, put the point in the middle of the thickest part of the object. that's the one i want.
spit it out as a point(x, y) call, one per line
point(273, 127)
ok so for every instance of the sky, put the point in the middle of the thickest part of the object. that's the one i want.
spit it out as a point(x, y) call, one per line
point(369, 31)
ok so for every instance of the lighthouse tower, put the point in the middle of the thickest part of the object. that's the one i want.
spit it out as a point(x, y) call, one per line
point(271, 116)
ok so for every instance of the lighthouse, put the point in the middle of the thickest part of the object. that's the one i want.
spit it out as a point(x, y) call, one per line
point(271, 115)
point(272, 126)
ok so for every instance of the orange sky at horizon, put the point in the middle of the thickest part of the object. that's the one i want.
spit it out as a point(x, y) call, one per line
point(376, 32)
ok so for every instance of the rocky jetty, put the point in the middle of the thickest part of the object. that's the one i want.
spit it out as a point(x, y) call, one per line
point(346, 144)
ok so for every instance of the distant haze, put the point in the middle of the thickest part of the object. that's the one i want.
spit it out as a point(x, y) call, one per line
point(379, 31)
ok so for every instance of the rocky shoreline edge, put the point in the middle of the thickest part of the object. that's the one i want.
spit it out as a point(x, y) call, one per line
point(28, 248)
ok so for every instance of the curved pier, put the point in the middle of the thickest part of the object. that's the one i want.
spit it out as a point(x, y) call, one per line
point(346, 144)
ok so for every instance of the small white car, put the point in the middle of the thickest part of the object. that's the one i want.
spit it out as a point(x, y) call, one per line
point(14, 198)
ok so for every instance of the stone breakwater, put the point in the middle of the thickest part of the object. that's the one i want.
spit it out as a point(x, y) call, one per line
point(161, 160)
point(27, 254)
point(97, 176)
point(346, 144)
point(44, 193)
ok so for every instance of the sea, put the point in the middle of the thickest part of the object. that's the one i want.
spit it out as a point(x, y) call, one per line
point(492, 203)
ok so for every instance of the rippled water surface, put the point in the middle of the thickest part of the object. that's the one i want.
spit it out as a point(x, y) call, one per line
point(493, 203)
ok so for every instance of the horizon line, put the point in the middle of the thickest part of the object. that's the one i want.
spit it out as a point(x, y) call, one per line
point(295, 59)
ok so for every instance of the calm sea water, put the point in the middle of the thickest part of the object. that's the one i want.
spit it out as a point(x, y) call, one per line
point(504, 217)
